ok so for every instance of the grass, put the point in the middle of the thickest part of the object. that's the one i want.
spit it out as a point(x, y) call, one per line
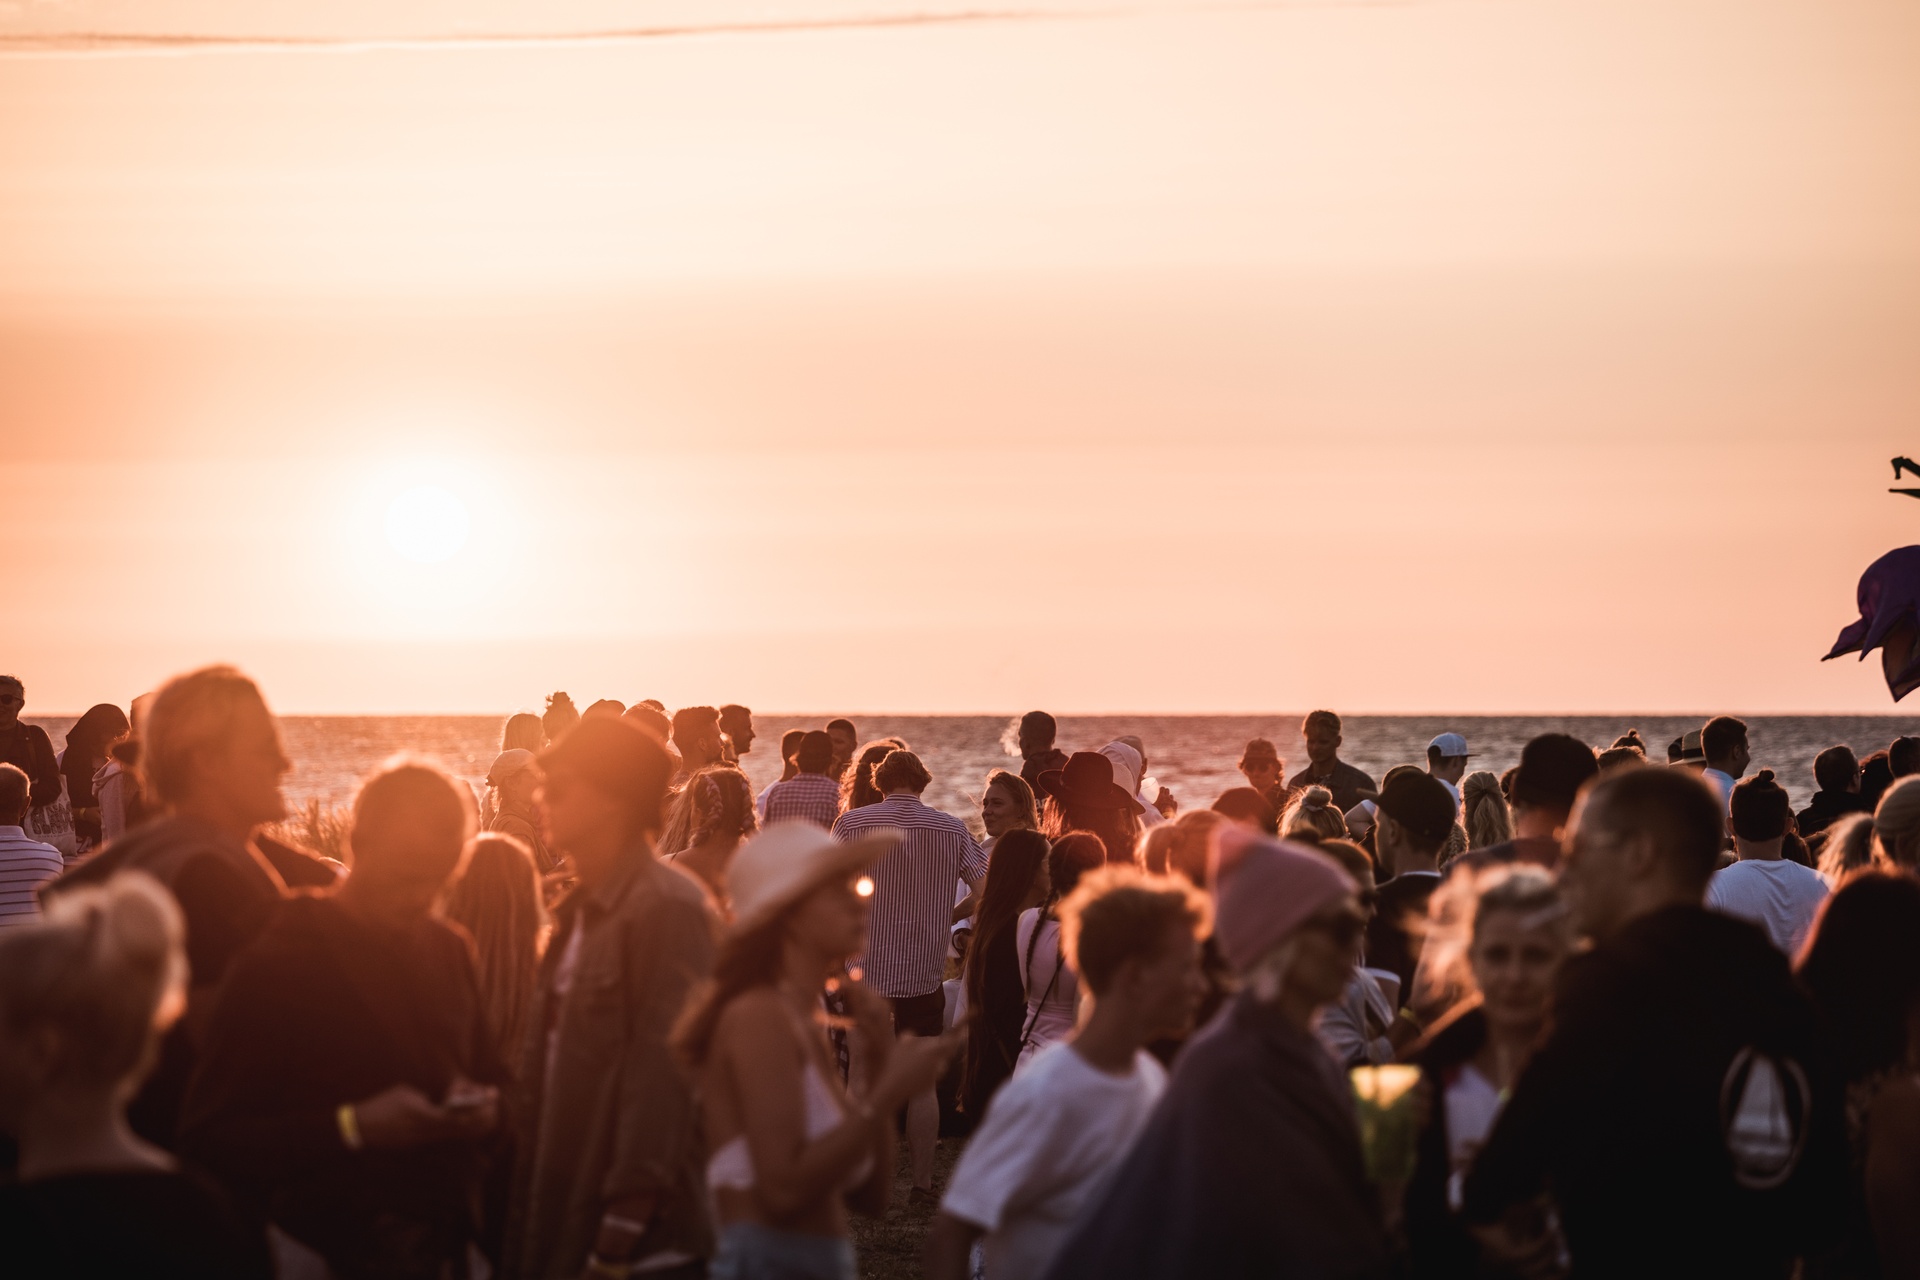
point(318, 828)
point(889, 1247)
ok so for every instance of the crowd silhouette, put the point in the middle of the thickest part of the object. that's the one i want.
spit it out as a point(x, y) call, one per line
point(617, 1015)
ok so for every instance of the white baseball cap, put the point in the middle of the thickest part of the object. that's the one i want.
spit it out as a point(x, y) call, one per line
point(1450, 745)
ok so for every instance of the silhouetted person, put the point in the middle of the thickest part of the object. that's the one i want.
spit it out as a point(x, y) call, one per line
point(26, 746)
point(1836, 771)
point(846, 740)
point(349, 1078)
point(85, 995)
point(696, 736)
point(790, 744)
point(1084, 795)
point(608, 1165)
point(1764, 886)
point(212, 760)
point(1903, 757)
point(86, 752)
point(736, 722)
point(1037, 752)
point(1325, 768)
point(560, 716)
point(1552, 769)
point(1723, 744)
point(811, 793)
point(1265, 772)
point(1414, 816)
point(1678, 1109)
point(25, 863)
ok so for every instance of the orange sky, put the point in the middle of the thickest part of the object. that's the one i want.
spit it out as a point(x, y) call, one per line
point(1432, 356)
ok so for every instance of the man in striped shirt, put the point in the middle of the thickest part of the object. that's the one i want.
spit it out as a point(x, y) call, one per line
point(810, 793)
point(25, 864)
point(911, 913)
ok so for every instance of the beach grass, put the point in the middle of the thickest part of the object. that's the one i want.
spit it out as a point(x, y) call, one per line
point(889, 1247)
point(317, 828)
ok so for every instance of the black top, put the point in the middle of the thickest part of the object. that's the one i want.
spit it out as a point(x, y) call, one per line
point(999, 1016)
point(1439, 1244)
point(1828, 807)
point(28, 747)
point(1679, 1110)
point(152, 1224)
point(327, 1008)
point(1394, 933)
point(1032, 767)
point(1346, 782)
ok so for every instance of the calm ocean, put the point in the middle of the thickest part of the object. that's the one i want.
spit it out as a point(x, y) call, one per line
point(1193, 755)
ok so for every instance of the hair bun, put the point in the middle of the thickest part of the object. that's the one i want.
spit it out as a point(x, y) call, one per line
point(1764, 778)
point(1316, 798)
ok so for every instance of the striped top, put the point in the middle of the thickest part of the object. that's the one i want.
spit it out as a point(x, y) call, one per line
point(913, 887)
point(25, 865)
point(813, 796)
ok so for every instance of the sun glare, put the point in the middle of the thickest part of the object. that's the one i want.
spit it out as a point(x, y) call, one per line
point(426, 524)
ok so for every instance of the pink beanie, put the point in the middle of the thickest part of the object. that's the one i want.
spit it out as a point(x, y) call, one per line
point(1264, 889)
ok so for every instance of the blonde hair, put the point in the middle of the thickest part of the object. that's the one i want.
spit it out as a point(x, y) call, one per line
point(1016, 786)
point(1312, 814)
point(1454, 916)
point(1896, 824)
point(1484, 811)
point(106, 968)
point(1849, 848)
point(192, 714)
point(497, 900)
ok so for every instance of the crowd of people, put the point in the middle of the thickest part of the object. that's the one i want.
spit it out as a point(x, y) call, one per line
point(619, 1015)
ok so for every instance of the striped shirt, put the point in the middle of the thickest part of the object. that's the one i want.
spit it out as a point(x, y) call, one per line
point(813, 796)
point(913, 887)
point(25, 865)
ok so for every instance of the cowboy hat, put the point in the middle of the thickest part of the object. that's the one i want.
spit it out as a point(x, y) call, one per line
point(1087, 780)
point(789, 860)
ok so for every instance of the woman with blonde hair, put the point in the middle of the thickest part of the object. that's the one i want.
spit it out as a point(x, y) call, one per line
point(1848, 847)
point(721, 814)
point(497, 900)
point(1006, 805)
point(1509, 933)
point(1312, 817)
point(86, 992)
point(1484, 811)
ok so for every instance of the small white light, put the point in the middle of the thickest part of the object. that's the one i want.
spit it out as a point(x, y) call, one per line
point(864, 886)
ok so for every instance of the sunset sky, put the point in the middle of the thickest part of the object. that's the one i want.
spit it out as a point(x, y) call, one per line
point(1469, 355)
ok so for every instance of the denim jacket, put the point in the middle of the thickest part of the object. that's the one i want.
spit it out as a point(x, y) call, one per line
point(608, 1110)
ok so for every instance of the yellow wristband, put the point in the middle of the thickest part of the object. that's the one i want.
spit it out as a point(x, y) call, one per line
point(349, 1126)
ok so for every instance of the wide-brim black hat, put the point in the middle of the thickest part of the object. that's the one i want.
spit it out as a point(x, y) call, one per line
point(1087, 780)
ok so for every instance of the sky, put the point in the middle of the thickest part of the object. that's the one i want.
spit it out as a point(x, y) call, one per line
point(1460, 355)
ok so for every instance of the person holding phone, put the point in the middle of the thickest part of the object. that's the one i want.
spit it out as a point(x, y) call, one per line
point(790, 1150)
point(348, 1089)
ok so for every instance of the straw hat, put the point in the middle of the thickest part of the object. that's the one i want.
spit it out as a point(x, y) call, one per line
point(789, 860)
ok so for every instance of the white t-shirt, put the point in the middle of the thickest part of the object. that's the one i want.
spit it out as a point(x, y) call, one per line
point(1472, 1104)
point(1779, 896)
point(1051, 1136)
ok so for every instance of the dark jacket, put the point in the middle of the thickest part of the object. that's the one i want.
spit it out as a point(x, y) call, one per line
point(998, 1005)
point(608, 1111)
point(28, 747)
point(1250, 1166)
point(226, 890)
point(1648, 1111)
point(1348, 784)
point(324, 1008)
point(1397, 929)
point(1827, 808)
point(1440, 1243)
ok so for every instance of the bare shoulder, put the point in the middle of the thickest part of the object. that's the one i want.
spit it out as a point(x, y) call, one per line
point(756, 1026)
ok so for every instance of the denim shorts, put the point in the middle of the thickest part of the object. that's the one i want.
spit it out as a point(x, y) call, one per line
point(749, 1251)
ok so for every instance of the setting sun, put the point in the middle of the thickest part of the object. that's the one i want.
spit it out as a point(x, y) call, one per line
point(426, 524)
